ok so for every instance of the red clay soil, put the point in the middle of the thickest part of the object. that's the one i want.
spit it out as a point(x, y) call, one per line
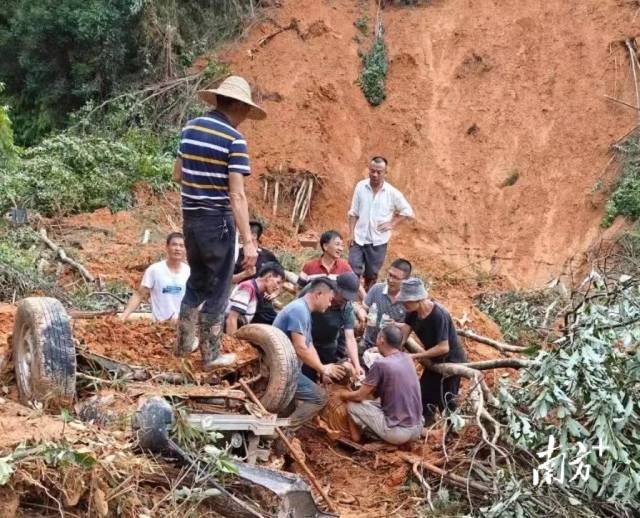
point(477, 93)
point(373, 483)
point(145, 343)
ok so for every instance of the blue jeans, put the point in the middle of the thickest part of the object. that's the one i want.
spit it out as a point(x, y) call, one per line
point(209, 240)
point(312, 399)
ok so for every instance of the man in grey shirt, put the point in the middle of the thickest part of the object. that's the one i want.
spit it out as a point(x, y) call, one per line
point(397, 416)
point(384, 295)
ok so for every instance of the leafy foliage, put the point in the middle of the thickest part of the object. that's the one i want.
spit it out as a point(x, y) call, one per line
point(520, 314)
point(67, 174)
point(7, 148)
point(19, 275)
point(55, 56)
point(60, 53)
point(374, 72)
point(202, 444)
point(585, 393)
point(625, 199)
point(362, 24)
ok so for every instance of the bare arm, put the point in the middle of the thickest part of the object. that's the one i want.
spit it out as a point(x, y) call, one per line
point(352, 350)
point(406, 331)
point(352, 228)
point(364, 392)
point(240, 209)
point(440, 349)
point(244, 274)
point(134, 301)
point(307, 354)
point(232, 322)
point(177, 170)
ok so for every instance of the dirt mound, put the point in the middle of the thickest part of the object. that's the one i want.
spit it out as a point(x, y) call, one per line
point(145, 343)
point(489, 123)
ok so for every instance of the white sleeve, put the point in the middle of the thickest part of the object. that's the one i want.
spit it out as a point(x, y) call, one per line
point(148, 279)
point(402, 206)
point(355, 202)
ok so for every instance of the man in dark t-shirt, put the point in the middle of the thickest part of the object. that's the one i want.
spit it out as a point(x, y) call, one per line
point(397, 416)
point(433, 325)
point(265, 313)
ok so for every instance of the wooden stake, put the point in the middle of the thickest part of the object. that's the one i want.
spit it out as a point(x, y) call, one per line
point(633, 59)
point(296, 205)
point(300, 461)
point(307, 204)
point(304, 208)
point(276, 193)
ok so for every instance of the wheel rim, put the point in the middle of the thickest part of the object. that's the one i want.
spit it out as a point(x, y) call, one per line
point(25, 359)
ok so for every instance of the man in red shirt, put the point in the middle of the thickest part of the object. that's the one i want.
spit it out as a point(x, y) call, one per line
point(329, 264)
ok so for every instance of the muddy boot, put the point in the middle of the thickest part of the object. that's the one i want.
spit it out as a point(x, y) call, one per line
point(187, 327)
point(210, 327)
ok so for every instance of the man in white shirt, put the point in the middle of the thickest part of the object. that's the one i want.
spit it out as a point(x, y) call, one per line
point(164, 282)
point(376, 208)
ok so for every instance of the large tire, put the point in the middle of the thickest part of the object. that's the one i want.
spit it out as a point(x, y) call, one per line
point(44, 353)
point(281, 361)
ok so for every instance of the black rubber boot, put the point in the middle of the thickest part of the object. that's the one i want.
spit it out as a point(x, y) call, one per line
point(187, 327)
point(210, 327)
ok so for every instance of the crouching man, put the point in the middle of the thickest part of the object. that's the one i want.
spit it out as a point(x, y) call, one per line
point(397, 416)
point(295, 321)
point(247, 296)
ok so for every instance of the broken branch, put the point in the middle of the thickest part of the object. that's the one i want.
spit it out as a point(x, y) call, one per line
point(64, 258)
point(501, 363)
point(452, 477)
point(501, 346)
point(294, 453)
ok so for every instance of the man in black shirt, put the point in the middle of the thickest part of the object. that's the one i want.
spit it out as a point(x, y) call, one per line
point(265, 313)
point(433, 325)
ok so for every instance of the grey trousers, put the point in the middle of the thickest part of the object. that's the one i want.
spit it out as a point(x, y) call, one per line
point(369, 415)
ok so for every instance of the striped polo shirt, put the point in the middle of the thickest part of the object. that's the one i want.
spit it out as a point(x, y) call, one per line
point(211, 149)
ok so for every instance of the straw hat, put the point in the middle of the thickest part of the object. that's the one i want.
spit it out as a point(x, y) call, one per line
point(234, 87)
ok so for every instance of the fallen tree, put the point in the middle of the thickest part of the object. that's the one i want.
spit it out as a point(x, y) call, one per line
point(561, 440)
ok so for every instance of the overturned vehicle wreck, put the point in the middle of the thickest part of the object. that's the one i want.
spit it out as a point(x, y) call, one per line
point(239, 406)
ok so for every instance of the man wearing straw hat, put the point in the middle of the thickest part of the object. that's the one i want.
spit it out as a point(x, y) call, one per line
point(211, 166)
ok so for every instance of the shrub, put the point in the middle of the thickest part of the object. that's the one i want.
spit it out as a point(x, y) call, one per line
point(67, 174)
point(625, 199)
point(374, 72)
point(19, 275)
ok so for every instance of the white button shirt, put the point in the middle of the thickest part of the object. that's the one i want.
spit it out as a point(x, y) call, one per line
point(374, 209)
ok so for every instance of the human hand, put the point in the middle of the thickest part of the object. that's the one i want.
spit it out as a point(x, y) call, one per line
point(359, 372)
point(385, 227)
point(249, 272)
point(419, 356)
point(333, 371)
point(250, 255)
point(272, 296)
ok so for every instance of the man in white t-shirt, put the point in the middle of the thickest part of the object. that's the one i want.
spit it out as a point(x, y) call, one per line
point(164, 282)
